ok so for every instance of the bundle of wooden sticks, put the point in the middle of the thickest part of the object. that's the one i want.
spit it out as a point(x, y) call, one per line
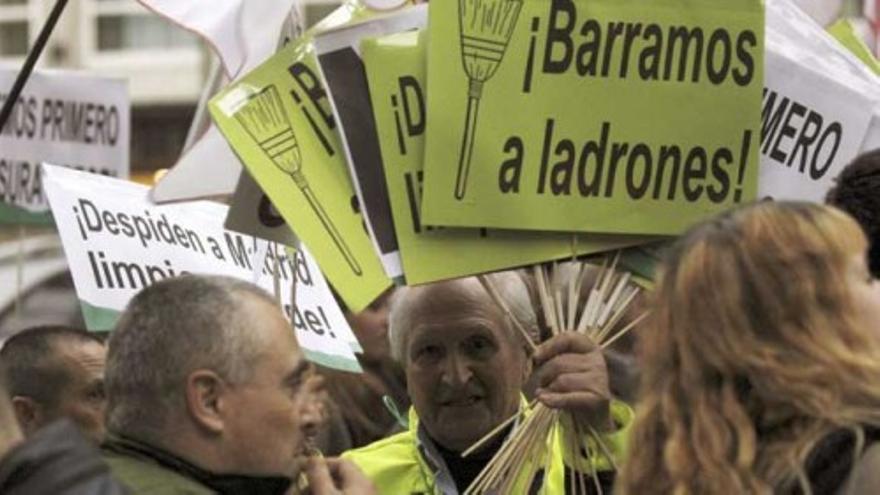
point(527, 451)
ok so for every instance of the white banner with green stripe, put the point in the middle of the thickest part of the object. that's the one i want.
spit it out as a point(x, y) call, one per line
point(117, 242)
point(65, 117)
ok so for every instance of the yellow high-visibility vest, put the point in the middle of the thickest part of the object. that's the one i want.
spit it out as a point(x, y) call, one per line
point(402, 464)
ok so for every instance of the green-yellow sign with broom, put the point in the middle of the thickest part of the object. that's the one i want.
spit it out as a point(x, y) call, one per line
point(396, 72)
point(278, 121)
point(264, 118)
point(485, 28)
point(595, 116)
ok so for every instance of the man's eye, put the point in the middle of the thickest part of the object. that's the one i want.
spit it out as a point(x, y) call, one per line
point(480, 345)
point(296, 383)
point(428, 352)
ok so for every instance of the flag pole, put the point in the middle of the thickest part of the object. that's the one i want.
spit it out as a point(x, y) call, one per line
point(30, 61)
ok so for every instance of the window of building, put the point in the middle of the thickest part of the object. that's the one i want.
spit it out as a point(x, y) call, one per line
point(124, 25)
point(14, 28)
point(131, 32)
point(122, 38)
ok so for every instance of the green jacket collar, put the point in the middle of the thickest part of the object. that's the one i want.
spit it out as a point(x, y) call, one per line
point(220, 483)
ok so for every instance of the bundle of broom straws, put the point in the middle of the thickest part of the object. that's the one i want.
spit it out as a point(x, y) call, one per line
point(527, 453)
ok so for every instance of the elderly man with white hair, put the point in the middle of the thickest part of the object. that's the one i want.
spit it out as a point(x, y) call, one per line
point(465, 366)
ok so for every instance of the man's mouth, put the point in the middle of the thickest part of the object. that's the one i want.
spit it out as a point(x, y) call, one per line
point(308, 448)
point(468, 401)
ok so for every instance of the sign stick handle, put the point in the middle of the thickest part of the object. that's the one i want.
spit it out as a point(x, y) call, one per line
point(467, 147)
point(30, 61)
point(340, 243)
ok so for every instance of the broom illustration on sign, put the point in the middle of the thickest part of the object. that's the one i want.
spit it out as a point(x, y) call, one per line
point(485, 28)
point(264, 118)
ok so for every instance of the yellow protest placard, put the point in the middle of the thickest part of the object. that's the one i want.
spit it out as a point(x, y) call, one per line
point(278, 120)
point(396, 72)
point(622, 116)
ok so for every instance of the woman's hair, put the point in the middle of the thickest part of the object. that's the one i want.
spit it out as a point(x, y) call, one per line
point(753, 354)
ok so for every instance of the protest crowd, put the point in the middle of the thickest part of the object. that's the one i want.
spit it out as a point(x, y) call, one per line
point(434, 269)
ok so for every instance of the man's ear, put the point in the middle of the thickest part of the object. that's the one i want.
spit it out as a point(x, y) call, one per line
point(205, 391)
point(29, 413)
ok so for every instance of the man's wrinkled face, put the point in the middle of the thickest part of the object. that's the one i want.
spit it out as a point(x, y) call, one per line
point(82, 399)
point(273, 415)
point(464, 368)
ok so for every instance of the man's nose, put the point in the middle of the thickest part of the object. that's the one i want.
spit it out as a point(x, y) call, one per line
point(313, 408)
point(457, 370)
point(312, 417)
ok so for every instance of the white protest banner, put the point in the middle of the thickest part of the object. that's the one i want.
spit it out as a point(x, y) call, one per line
point(117, 242)
point(792, 34)
point(872, 140)
point(65, 117)
point(812, 126)
point(342, 70)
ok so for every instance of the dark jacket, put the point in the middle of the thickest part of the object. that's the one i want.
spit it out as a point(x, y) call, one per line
point(59, 460)
point(146, 469)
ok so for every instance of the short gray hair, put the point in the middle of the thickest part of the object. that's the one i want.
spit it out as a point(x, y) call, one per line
point(168, 330)
point(30, 359)
point(511, 287)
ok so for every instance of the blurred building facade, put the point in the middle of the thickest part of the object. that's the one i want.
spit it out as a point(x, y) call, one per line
point(166, 68)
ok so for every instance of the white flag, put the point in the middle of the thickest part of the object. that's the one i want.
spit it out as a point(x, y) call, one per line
point(243, 34)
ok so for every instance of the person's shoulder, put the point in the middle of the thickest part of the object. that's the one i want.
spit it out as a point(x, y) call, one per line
point(392, 464)
point(143, 476)
point(400, 444)
point(58, 459)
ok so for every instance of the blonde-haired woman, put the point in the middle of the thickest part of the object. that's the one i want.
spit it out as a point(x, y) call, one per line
point(761, 373)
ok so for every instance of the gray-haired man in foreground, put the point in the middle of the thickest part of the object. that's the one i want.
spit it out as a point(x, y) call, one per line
point(208, 392)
